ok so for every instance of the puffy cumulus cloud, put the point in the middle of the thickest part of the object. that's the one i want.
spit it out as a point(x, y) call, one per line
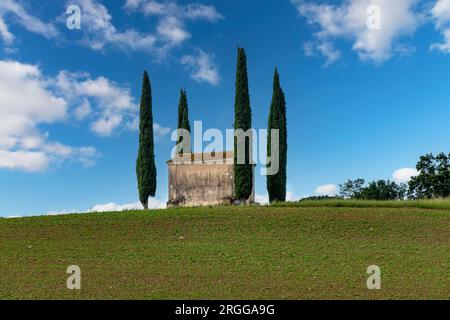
point(443, 47)
point(23, 160)
point(100, 32)
point(440, 13)
point(30, 99)
point(203, 67)
point(40, 157)
point(327, 190)
point(26, 102)
point(404, 175)
point(14, 10)
point(115, 106)
point(113, 207)
point(348, 20)
point(171, 29)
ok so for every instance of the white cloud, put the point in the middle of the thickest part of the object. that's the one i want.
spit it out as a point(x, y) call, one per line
point(87, 155)
point(262, 199)
point(171, 30)
point(202, 66)
point(440, 13)
point(7, 36)
point(160, 131)
point(193, 11)
point(114, 103)
point(100, 32)
point(326, 49)
point(63, 212)
point(83, 110)
point(443, 46)
point(105, 125)
point(349, 21)
point(133, 4)
point(15, 9)
point(23, 160)
point(291, 197)
point(29, 99)
point(115, 107)
point(113, 207)
point(404, 175)
point(26, 102)
point(327, 190)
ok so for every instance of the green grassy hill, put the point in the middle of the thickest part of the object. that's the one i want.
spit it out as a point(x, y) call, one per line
point(229, 253)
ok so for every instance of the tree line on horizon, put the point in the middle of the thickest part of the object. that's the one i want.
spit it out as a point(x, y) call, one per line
point(243, 173)
point(432, 182)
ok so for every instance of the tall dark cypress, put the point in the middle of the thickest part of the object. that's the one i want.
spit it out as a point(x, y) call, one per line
point(243, 173)
point(276, 184)
point(145, 164)
point(284, 146)
point(183, 118)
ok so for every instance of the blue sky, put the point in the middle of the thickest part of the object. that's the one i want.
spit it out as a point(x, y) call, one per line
point(361, 102)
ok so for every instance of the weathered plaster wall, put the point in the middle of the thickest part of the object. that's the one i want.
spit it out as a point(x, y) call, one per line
point(201, 184)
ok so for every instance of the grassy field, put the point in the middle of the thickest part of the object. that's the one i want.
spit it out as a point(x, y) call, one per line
point(229, 253)
point(341, 203)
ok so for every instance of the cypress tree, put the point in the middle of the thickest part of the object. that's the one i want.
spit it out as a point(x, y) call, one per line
point(284, 147)
point(183, 118)
point(243, 173)
point(145, 164)
point(276, 184)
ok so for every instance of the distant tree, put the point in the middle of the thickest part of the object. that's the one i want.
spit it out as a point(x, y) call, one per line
point(403, 191)
point(433, 180)
point(243, 173)
point(352, 189)
point(145, 164)
point(375, 190)
point(183, 121)
point(383, 190)
point(276, 184)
